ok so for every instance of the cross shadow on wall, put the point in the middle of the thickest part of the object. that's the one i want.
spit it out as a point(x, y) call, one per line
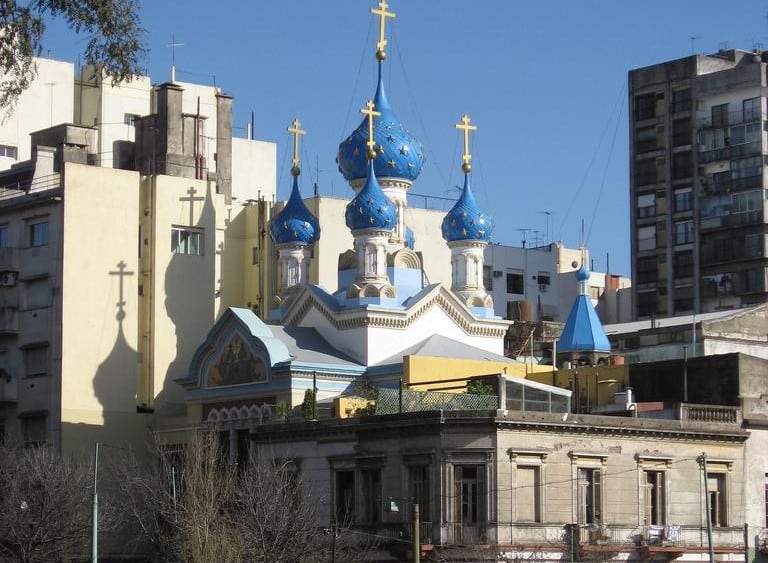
point(189, 287)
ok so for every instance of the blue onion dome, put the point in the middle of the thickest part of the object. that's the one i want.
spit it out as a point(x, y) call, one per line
point(467, 220)
point(582, 274)
point(400, 155)
point(295, 224)
point(370, 209)
point(410, 240)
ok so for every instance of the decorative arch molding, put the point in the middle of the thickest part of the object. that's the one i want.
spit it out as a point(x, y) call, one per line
point(405, 258)
point(239, 350)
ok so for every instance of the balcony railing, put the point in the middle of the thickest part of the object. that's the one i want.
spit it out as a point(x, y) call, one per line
point(733, 151)
point(713, 414)
point(731, 118)
point(745, 218)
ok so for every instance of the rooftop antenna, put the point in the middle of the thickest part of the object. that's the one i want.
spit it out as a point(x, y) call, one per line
point(173, 44)
point(548, 214)
point(523, 231)
point(693, 39)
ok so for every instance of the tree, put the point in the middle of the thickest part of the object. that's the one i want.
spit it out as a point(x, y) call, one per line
point(115, 39)
point(45, 506)
point(191, 506)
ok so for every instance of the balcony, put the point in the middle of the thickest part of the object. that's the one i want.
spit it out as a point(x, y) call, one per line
point(742, 219)
point(730, 152)
point(710, 414)
point(731, 118)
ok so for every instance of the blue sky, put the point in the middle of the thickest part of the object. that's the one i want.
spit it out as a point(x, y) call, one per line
point(544, 82)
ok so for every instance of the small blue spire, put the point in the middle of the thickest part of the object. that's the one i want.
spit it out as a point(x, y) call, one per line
point(295, 223)
point(371, 208)
point(399, 154)
point(467, 220)
point(583, 331)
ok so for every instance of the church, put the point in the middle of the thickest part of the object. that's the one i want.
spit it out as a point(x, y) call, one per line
point(383, 326)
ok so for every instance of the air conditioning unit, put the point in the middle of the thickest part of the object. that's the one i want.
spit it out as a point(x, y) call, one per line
point(8, 279)
point(543, 288)
point(497, 273)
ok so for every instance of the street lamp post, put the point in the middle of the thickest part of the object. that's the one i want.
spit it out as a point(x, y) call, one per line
point(95, 517)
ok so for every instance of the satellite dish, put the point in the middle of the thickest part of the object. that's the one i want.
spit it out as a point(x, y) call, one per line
point(594, 527)
point(574, 264)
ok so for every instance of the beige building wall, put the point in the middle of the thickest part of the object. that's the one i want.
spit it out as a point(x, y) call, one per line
point(48, 101)
point(99, 307)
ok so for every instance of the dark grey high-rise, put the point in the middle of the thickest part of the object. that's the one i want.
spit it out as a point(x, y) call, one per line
point(697, 183)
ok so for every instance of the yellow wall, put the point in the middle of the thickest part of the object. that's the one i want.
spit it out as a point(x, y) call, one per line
point(595, 384)
point(420, 371)
point(99, 364)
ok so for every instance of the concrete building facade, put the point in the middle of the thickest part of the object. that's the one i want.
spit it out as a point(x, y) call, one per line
point(118, 251)
point(697, 184)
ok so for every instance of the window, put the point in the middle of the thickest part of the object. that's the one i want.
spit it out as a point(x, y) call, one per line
point(654, 494)
point(647, 269)
point(682, 165)
point(683, 200)
point(4, 236)
point(187, 240)
point(716, 494)
point(345, 496)
point(543, 278)
point(681, 100)
point(646, 303)
point(683, 262)
point(646, 205)
point(38, 233)
point(720, 115)
point(684, 232)
point(469, 491)
point(754, 244)
point(681, 132)
point(751, 108)
point(717, 285)
point(515, 282)
point(590, 495)
point(33, 429)
point(746, 167)
point(255, 255)
point(9, 151)
point(419, 489)
point(528, 494)
point(371, 495)
point(754, 280)
point(36, 361)
point(649, 105)
point(130, 119)
point(646, 238)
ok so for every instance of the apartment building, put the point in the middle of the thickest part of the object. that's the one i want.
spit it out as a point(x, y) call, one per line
point(120, 244)
point(697, 186)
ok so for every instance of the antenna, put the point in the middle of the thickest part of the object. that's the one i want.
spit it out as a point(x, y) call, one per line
point(548, 214)
point(693, 39)
point(523, 231)
point(173, 44)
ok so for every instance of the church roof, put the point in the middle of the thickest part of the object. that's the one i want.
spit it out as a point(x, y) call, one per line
point(370, 209)
point(583, 331)
point(309, 347)
point(400, 155)
point(439, 346)
point(467, 220)
point(294, 224)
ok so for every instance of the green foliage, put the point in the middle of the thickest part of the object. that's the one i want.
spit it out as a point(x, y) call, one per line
point(367, 410)
point(115, 39)
point(477, 387)
point(308, 407)
point(283, 409)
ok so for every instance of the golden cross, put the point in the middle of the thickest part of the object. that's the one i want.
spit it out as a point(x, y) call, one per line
point(296, 130)
point(383, 15)
point(370, 112)
point(466, 127)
